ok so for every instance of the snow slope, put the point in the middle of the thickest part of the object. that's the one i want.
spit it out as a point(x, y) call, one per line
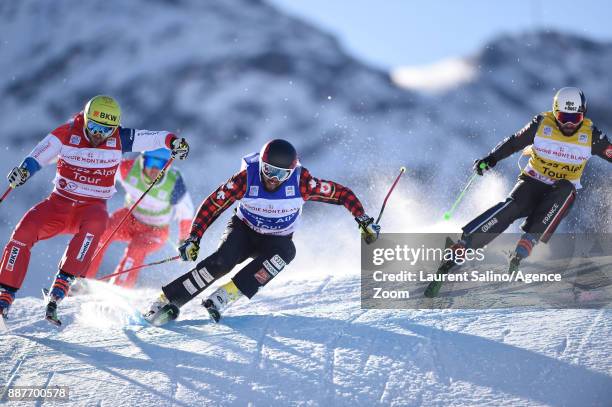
point(231, 75)
point(311, 344)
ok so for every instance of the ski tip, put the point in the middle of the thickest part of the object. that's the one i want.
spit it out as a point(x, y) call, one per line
point(168, 313)
point(45, 294)
point(432, 290)
point(55, 322)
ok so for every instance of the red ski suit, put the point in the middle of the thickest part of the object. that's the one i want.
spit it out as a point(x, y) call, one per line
point(142, 239)
point(85, 179)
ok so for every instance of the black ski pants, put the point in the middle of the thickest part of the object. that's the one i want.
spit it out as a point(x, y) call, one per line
point(270, 254)
point(542, 205)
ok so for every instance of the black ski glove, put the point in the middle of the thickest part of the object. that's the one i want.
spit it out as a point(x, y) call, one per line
point(484, 164)
point(189, 249)
point(18, 176)
point(369, 229)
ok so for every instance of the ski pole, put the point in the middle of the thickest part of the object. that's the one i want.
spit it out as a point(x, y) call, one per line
point(449, 213)
point(108, 239)
point(5, 194)
point(402, 170)
point(140, 267)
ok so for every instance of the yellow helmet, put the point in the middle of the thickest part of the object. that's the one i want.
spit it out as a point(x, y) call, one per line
point(102, 116)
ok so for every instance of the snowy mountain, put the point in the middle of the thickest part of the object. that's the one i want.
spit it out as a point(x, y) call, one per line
point(229, 76)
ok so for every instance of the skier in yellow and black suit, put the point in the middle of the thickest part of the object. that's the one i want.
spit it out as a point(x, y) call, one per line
point(562, 141)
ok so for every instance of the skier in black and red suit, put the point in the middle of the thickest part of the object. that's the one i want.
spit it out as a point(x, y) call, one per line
point(272, 187)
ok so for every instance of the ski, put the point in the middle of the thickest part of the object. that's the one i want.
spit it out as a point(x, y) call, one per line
point(51, 314)
point(434, 287)
point(50, 309)
point(3, 326)
point(213, 312)
point(167, 313)
point(513, 266)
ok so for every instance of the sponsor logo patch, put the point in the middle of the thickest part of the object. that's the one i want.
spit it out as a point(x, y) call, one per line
point(270, 268)
point(103, 115)
point(76, 140)
point(254, 190)
point(547, 130)
point(206, 275)
point(278, 262)
point(583, 138)
point(111, 142)
point(85, 246)
point(12, 258)
point(197, 279)
point(290, 190)
point(325, 188)
point(62, 183)
point(262, 276)
point(609, 152)
point(189, 286)
point(489, 225)
point(550, 214)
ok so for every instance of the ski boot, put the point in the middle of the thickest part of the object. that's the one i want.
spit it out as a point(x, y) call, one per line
point(523, 250)
point(59, 289)
point(7, 295)
point(515, 261)
point(212, 309)
point(434, 287)
point(220, 299)
point(51, 313)
point(161, 311)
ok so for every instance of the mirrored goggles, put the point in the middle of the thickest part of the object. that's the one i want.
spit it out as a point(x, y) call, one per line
point(154, 162)
point(575, 118)
point(99, 129)
point(270, 171)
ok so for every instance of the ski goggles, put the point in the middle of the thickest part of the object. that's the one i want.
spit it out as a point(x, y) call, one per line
point(95, 128)
point(270, 171)
point(575, 118)
point(154, 162)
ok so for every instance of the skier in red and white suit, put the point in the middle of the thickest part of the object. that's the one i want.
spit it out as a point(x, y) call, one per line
point(88, 149)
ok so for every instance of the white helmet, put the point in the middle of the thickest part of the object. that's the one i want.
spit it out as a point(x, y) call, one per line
point(569, 105)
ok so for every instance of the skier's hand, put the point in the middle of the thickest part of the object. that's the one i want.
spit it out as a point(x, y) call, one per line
point(18, 176)
point(369, 229)
point(189, 249)
point(484, 164)
point(180, 148)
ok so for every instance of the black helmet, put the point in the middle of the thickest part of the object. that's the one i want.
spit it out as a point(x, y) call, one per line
point(278, 159)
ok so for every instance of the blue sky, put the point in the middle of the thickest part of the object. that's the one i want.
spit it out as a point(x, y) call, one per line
point(390, 33)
